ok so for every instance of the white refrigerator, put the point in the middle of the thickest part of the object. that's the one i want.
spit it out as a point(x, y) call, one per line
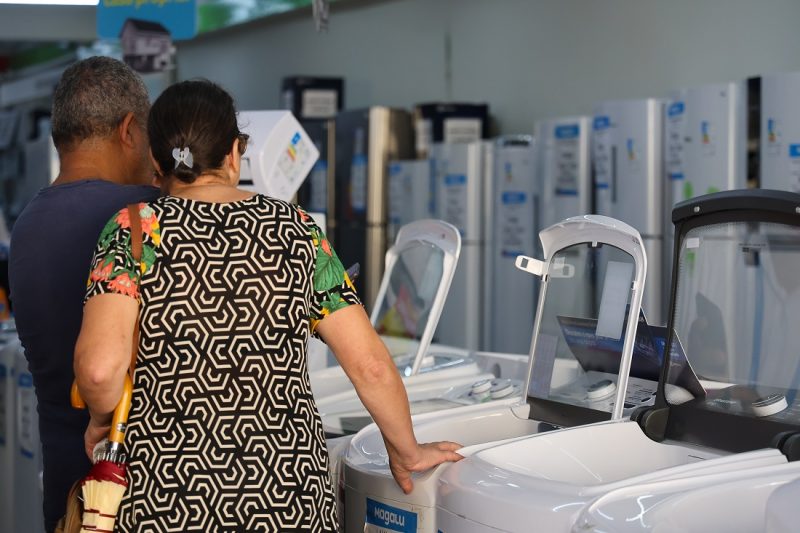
point(563, 168)
point(780, 131)
point(409, 193)
point(512, 294)
point(462, 197)
point(634, 187)
point(705, 148)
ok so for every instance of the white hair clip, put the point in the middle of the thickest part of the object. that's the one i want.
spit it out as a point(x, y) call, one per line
point(183, 156)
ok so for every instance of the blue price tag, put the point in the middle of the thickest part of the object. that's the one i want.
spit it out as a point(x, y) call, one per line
point(570, 131)
point(513, 197)
point(675, 109)
point(455, 179)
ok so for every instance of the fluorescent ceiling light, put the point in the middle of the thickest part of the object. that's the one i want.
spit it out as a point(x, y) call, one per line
point(52, 2)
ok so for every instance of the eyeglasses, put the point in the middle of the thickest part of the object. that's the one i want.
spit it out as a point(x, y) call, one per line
point(243, 138)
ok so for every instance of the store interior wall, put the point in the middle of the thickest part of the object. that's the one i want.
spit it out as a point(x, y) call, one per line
point(47, 23)
point(528, 58)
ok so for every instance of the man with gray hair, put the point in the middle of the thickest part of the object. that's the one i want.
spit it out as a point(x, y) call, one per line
point(99, 121)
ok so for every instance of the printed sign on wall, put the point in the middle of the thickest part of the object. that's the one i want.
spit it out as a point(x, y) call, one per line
point(178, 17)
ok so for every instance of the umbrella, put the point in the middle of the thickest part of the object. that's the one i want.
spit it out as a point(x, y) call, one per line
point(105, 485)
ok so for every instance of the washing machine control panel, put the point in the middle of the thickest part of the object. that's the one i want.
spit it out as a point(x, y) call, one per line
point(597, 391)
point(747, 401)
point(485, 390)
point(482, 391)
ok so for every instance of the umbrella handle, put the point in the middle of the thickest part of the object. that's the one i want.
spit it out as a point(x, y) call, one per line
point(119, 421)
point(75, 397)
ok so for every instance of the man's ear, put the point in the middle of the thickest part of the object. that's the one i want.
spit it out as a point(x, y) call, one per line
point(126, 130)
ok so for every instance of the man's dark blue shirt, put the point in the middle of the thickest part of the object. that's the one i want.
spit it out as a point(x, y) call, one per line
point(51, 250)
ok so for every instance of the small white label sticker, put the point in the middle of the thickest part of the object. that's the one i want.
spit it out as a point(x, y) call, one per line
point(462, 130)
point(424, 131)
point(693, 242)
point(319, 103)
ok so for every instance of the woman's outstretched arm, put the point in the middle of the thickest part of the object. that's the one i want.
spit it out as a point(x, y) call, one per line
point(366, 361)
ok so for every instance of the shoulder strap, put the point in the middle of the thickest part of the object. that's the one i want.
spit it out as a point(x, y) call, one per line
point(136, 231)
point(136, 251)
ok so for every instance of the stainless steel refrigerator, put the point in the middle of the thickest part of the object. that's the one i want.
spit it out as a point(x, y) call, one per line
point(366, 140)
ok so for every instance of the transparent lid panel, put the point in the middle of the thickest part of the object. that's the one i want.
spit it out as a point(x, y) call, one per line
point(737, 315)
point(406, 307)
point(578, 351)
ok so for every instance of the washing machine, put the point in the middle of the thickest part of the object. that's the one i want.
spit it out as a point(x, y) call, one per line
point(27, 480)
point(501, 379)
point(782, 512)
point(581, 356)
point(734, 501)
point(419, 270)
point(724, 407)
point(8, 351)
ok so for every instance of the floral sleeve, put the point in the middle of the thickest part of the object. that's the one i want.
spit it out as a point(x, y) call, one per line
point(332, 287)
point(114, 270)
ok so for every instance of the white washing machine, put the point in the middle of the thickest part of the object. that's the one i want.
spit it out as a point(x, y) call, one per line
point(579, 372)
point(734, 501)
point(485, 389)
point(747, 395)
point(419, 270)
point(783, 513)
point(27, 480)
point(8, 351)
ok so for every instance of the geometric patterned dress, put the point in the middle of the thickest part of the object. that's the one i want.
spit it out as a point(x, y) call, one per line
point(224, 434)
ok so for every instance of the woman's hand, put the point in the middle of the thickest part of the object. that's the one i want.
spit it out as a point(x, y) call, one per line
point(427, 456)
point(95, 432)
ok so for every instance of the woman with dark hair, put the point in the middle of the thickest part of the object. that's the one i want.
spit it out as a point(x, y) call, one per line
point(223, 432)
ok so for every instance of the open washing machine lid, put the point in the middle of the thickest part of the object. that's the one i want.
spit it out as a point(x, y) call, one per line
point(418, 272)
point(734, 308)
point(593, 274)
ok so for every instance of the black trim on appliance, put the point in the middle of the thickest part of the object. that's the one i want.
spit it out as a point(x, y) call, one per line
point(754, 200)
point(563, 414)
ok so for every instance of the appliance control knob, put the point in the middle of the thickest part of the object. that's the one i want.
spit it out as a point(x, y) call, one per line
point(601, 389)
point(501, 389)
point(769, 405)
point(482, 386)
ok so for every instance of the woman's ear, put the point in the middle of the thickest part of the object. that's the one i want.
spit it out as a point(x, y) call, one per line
point(156, 166)
point(235, 158)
